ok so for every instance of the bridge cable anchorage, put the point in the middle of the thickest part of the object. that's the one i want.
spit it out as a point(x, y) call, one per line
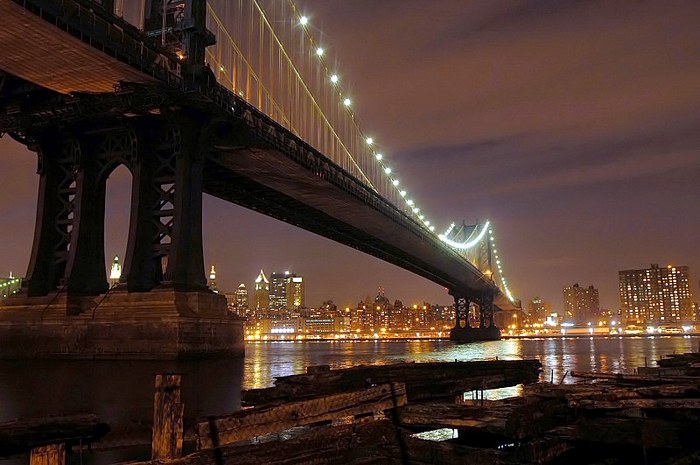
point(253, 58)
point(477, 244)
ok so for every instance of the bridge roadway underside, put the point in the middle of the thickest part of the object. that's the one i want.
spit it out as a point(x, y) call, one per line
point(267, 181)
point(40, 54)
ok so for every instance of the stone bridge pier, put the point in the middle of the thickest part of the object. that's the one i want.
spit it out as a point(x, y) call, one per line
point(161, 308)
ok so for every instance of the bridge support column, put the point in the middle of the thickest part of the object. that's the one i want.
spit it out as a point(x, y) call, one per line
point(185, 270)
point(56, 162)
point(462, 331)
point(85, 268)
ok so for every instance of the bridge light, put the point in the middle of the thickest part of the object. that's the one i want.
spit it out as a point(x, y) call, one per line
point(395, 182)
point(415, 210)
point(319, 51)
point(409, 202)
point(303, 20)
point(403, 193)
point(387, 170)
point(370, 141)
point(427, 223)
point(347, 102)
point(222, 68)
point(421, 217)
point(432, 228)
point(334, 78)
point(379, 156)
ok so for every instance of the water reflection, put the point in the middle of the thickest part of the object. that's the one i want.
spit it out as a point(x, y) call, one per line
point(265, 361)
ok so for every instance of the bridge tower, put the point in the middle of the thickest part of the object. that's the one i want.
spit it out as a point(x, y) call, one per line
point(472, 243)
point(161, 306)
point(181, 26)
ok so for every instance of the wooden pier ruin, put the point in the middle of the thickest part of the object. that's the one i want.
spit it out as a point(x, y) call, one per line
point(417, 413)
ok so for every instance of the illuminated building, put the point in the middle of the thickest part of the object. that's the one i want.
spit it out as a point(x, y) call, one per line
point(581, 304)
point(261, 297)
point(241, 300)
point(278, 290)
point(286, 291)
point(538, 310)
point(9, 286)
point(656, 295)
point(295, 292)
point(115, 272)
point(212, 279)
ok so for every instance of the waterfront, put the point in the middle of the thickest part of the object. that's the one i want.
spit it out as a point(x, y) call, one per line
point(121, 393)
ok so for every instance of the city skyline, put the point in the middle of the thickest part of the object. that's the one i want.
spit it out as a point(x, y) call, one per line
point(575, 133)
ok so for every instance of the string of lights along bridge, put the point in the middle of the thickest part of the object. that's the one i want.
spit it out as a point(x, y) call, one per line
point(268, 53)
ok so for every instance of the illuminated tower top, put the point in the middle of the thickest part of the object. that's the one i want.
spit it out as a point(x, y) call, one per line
point(212, 279)
point(261, 282)
point(116, 271)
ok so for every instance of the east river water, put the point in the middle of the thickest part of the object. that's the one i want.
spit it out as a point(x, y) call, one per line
point(121, 393)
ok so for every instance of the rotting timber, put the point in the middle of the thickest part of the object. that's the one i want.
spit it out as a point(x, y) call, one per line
point(374, 414)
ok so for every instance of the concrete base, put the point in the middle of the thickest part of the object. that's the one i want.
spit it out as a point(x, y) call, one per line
point(469, 334)
point(157, 325)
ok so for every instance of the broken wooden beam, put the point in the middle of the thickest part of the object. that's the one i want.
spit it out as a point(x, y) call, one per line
point(623, 404)
point(424, 381)
point(245, 424)
point(635, 379)
point(489, 418)
point(20, 436)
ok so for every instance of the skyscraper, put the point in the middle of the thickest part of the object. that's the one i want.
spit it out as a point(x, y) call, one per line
point(241, 300)
point(278, 290)
point(538, 310)
point(656, 295)
point(582, 304)
point(286, 291)
point(261, 297)
point(295, 292)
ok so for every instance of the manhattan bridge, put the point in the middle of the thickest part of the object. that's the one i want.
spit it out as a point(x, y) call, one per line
point(237, 99)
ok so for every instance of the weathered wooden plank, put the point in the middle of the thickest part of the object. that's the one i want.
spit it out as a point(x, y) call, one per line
point(54, 454)
point(168, 412)
point(325, 445)
point(648, 432)
point(627, 378)
point(541, 450)
point(606, 392)
point(490, 419)
point(20, 436)
point(222, 430)
point(621, 404)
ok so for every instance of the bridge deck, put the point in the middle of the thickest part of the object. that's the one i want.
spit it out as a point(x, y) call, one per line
point(39, 54)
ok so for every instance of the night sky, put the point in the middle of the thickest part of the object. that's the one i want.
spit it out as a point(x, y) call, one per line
point(573, 126)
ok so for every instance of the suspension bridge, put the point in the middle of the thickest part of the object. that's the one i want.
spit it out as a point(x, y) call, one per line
point(236, 99)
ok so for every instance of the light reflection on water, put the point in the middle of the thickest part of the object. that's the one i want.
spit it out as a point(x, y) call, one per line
point(268, 360)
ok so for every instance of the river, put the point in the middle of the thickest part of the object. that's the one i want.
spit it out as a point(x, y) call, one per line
point(121, 393)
